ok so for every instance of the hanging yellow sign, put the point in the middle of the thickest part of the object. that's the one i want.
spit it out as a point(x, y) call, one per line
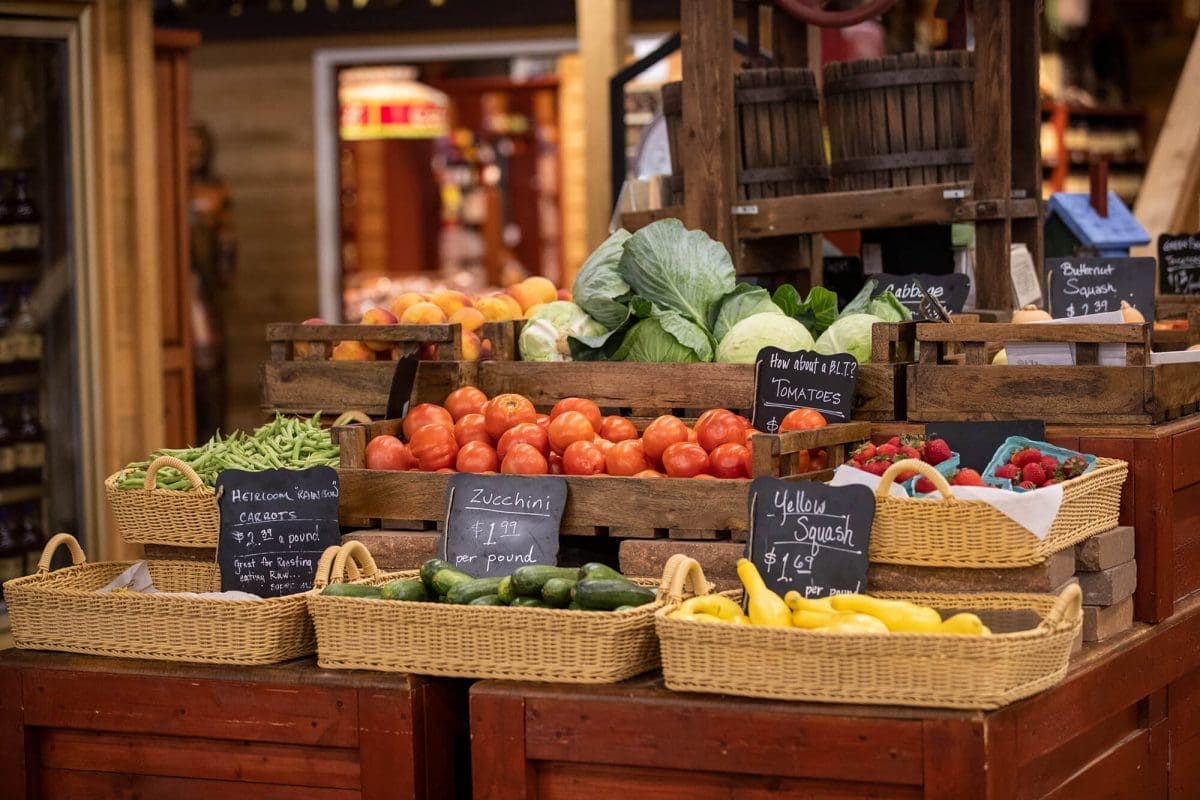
point(386, 103)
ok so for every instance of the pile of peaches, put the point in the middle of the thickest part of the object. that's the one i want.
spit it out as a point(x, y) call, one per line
point(471, 433)
point(518, 301)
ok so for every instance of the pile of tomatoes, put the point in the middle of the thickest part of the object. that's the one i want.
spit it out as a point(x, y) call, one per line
point(471, 433)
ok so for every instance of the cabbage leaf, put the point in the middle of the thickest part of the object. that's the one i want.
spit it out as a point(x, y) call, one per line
point(599, 288)
point(677, 269)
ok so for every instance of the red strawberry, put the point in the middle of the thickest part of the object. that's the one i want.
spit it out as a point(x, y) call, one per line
point(887, 451)
point(967, 477)
point(1034, 473)
point(877, 467)
point(1027, 485)
point(894, 442)
point(1049, 464)
point(1009, 471)
point(904, 477)
point(937, 451)
point(908, 451)
point(1026, 456)
point(864, 453)
point(1074, 466)
point(1052, 481)
point(924, 486)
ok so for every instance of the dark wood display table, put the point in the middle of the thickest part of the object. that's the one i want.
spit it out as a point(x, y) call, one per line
point(1125, 723)
point(86, 727)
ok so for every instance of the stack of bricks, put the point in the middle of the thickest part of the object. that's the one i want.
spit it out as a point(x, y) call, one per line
point(1107, 575)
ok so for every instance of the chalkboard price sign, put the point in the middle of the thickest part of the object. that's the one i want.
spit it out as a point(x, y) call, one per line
point(496, 523)
point(809, 536)
point(1080, 286)
point(786, 381)
point(274, 527)
point(1179, 263)
point(951, 290)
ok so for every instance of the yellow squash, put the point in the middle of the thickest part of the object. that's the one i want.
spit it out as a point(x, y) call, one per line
point(899, 616)
point(764, 606)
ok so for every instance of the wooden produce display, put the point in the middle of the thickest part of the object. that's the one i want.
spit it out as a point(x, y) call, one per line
point(1181, 308)
point(301, 378)
point(1083, 393)
point(81, 726)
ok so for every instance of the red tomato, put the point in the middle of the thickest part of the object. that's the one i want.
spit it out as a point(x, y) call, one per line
point(556, 464)
point(471, 429)
point(477, 457)
point(706, 476)
point(434, 446)
point(465, 400)
point(662, 433)
point(506, 410)
point(583, 458)
point(685, 460)
point(649, 473)
point(604, 444)
point(543, 421)
point(524, 459)
point(388, 452)
point(719, 428)
point(709, 413)
point(626, 458)
point(529, 432)
point(818, 458)
point(802, 419)
point(425, 414)
point(729, 460)
point(428, 352)
point(568, 427)
point(617, 429)
point(580, 404)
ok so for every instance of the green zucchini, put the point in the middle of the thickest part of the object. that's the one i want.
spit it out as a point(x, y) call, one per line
point(557, 592)
point(468, 590)
point(486, 600)
point(528, 581)
point(505, 590)
point(410, 589)
point(597, 570)
point(573, 606)
point(351, 590)
point(530, 602)
point(447, 578)
point(429, 569)
point(624, 608)
point(601, 594)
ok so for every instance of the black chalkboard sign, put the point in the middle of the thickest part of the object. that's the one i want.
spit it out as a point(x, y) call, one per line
point(1179, 263)
point(810, 536)
point(274, 527)
point(1080, 286)
point(496, 523)
point(976, 442)
point(951, 290)
point(786, 381)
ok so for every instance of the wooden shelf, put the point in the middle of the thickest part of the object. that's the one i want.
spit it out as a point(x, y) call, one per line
point(21, 494)
point(19, 383)
point(12, 273)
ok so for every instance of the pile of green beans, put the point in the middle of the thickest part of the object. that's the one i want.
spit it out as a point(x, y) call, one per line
point(284, 443)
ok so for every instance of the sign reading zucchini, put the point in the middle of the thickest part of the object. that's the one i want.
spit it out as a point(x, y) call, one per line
point(496, 523)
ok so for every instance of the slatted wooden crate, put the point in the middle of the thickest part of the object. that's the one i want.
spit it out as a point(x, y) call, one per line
point(300, 378)
point(1177, 307)
point(1083, 393)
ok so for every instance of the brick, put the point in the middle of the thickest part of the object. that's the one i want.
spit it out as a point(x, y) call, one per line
point(397, 550)
point(647, 557)
point(1109, 586)
point(1101, 622)
point(1046, 577)
point(1105, 550)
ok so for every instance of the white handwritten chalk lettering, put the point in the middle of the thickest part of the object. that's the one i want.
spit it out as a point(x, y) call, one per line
point(498, 559)
point(515, 500)
point(1074, 288)
point(784, 390)
point(779, 361)
point(245, 496)
point(1070, 270)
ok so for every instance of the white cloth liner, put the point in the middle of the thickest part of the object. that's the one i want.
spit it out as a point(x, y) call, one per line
point(137, 579)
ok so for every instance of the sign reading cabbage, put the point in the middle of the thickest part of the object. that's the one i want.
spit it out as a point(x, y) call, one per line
point(666, 293)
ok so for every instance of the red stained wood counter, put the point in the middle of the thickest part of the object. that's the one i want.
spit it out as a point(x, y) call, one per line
point(85, 727)
point(1125, 723)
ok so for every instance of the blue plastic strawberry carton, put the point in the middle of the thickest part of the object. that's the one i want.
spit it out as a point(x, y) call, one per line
point(1022, 465)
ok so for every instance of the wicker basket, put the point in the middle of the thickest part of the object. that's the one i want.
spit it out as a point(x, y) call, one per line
point(894, 669)
point(506, 643)
point(163, 516)
point(62, 610)
point(971, 533)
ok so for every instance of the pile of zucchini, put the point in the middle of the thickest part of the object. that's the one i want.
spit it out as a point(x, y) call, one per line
point(592, 587)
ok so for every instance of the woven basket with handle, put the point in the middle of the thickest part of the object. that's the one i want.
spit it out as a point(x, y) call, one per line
point(62, 610)
point(971, 533)
point(164, 516)
point(502, 642)
point(896, 669)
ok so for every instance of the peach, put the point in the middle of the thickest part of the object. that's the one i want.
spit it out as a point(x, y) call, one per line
point(471, 319)
point(525, 294)
point(450, 301)
point(301, 350)
point(427, 352)
point(564, 294)
point(498, 308)
point(402, 301)
point(485, 352)
point(543, 288)
point(352, 351)
point(423, 313)
point(472, 347)
point(378, 316)
point(529, 312)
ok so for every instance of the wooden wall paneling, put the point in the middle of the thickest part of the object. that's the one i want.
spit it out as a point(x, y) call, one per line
point(14, 775)
point(1183, 709)
point(499, 765)
point(956, 763)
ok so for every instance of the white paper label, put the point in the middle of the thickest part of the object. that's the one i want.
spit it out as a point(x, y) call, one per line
point(1026, 289)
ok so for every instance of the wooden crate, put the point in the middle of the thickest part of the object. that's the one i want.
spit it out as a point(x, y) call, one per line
point(598, 505)
point(1177, 307)
point(1084, 393)
point(86, 727)
point(308, 382)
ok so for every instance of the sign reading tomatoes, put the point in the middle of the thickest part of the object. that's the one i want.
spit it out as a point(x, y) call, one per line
point(786, 381)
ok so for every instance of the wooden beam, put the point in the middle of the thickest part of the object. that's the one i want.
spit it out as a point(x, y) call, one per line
point(1167, 200)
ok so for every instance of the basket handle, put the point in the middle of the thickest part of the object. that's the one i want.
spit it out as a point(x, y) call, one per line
point(175, 463)
point(321, 578)
point(1067, 609)
point(913, 465)
point(353, 556)
point(58, 539)
point(681, 570)
point(359, 417)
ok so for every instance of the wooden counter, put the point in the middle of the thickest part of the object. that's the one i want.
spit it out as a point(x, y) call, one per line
point(1125, 723)
point(85, 727)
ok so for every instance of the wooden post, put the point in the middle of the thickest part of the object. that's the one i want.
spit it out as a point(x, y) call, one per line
point(603, 32)
point(1025, 50)
point(709, 159)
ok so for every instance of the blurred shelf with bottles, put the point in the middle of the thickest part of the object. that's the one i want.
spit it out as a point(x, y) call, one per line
point(1073, 136)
